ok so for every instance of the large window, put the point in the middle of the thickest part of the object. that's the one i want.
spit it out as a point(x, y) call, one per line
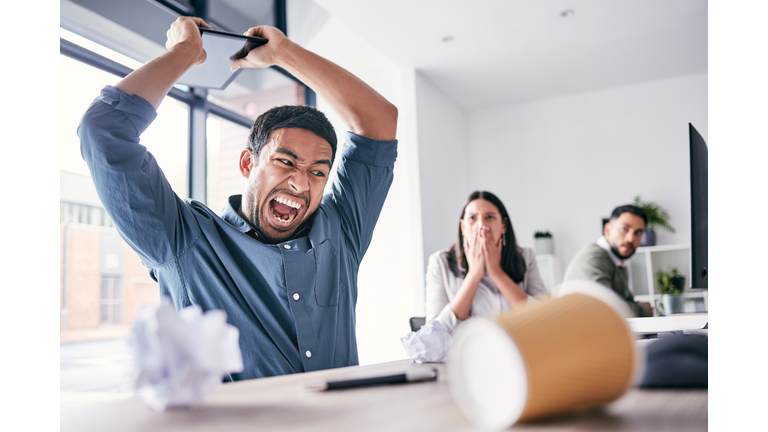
point(196, 138)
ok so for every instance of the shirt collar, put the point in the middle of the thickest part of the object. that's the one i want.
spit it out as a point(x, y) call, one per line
point(230, 214)
point(603, 243)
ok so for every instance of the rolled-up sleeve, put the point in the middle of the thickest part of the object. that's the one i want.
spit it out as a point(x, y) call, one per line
point(437, 302)
point(360, 188)
point(534, 284)
point(135, 193)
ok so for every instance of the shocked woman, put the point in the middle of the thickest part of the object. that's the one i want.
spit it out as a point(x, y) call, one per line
point(485, 273)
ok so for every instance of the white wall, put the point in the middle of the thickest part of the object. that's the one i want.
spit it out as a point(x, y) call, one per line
point(443, 165)
point(562, 164)
point(391, 275)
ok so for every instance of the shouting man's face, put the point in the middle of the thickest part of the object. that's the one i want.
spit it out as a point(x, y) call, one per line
point(624, 234)
point(285, 183)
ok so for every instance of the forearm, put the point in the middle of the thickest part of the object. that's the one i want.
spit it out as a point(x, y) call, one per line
point(516, 297)
point(363, 110)
point(154, 80)
point(462, 301)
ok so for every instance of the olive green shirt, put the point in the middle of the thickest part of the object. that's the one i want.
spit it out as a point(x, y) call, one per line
point(595, 264)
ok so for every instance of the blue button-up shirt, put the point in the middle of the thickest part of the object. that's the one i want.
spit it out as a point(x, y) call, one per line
point(293, 302)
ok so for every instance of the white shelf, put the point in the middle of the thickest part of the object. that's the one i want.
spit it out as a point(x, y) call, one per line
point(549, 270)
point(661, 248)
point(649, 259)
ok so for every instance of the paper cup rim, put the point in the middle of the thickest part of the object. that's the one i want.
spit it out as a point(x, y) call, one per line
point(473, 390)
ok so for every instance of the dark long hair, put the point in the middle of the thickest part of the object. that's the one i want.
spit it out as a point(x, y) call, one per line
point(512, 261)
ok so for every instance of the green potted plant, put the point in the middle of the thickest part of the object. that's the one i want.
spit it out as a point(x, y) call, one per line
point(543, 243)
point(670, 284)
point(657, 217)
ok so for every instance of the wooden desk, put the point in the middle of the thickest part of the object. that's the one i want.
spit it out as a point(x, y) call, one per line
point(279, 403)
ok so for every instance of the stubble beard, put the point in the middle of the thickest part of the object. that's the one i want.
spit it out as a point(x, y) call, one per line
point(616, 252)
point(255, 220)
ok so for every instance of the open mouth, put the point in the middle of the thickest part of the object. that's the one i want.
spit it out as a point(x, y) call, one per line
point(284, 210)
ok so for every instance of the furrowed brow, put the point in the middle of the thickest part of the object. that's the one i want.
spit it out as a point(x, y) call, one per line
point(285, 151)
point(324, 162)
point(289, 153)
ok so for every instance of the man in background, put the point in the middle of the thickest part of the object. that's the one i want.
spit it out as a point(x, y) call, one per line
point(605, 261)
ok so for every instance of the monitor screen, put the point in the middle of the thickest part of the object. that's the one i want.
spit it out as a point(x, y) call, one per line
point(698, 209)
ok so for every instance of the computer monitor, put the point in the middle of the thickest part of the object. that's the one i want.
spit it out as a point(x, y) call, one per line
point(699, 208)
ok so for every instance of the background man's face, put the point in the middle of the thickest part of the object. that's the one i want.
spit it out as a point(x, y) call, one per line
point(285, 185)
point(624, 234)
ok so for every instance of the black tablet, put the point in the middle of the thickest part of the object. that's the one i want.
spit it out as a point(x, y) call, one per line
point(221, 48)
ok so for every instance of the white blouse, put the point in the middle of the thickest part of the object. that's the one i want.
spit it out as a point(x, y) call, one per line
point(442, 286)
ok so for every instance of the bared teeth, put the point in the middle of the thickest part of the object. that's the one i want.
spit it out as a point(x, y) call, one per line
point(288, 202)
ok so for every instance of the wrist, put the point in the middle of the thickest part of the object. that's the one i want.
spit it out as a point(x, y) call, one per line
point(475, 275)
point(285, 53)
point(494, 272)
point(190, 50)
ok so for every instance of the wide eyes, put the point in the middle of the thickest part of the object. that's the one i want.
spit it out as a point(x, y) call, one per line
point(473, 217)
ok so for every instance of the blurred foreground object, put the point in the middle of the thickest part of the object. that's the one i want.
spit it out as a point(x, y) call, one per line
point(567, 353)
point(179, 357)
point(428, 344)
point(677, 361)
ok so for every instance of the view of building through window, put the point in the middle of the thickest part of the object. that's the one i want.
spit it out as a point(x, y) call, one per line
point(103, 283)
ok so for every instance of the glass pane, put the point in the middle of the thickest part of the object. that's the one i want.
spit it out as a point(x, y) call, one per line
point(225, 141)
point(92, 330)
point(255, 91)
point(117, 290)
point(105, 314)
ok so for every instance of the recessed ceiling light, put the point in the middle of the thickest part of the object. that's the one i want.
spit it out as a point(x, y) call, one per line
point(566, 13)
point(448, 39)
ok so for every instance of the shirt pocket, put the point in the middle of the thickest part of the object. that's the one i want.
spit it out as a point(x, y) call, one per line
point(327, 281)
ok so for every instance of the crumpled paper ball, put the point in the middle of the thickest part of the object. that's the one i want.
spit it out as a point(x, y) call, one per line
point(179, 357)
point(429, 344)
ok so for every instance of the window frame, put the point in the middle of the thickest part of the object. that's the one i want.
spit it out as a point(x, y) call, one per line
point(195, 98)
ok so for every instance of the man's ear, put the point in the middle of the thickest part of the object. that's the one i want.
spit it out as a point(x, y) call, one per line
point(607, 229)
point(246, 163)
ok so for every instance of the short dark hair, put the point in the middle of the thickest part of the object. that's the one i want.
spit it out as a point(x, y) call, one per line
point(290, 116)
point(512, 261)
point(629, 208)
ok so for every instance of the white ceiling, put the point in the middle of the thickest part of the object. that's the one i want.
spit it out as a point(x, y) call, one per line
point(506, 51)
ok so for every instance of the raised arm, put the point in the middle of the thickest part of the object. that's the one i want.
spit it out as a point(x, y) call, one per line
point(361, 108)
point(155, 79)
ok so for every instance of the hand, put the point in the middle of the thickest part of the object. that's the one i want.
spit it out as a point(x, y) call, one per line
point(492, 252)
point(265, 55)
point(474, 250)
point(185, 31)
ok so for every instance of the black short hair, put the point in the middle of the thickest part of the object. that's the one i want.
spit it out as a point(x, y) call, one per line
point(629, 208)
point(290, 116)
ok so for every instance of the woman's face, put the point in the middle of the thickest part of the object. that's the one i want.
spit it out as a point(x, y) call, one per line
point(481, 213)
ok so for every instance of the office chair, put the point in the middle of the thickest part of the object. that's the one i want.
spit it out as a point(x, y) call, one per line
point(417, 322)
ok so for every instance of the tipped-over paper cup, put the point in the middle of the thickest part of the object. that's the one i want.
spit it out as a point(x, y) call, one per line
point(559, 355)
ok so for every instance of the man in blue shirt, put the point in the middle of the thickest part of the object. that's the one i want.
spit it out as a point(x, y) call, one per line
point(282, 259)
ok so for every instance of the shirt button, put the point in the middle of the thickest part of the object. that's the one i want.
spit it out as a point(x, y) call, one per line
point(296, 296)
point(308, 353)
point(287, 246)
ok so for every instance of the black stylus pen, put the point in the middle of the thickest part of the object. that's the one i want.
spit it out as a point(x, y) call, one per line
point(422, 374)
